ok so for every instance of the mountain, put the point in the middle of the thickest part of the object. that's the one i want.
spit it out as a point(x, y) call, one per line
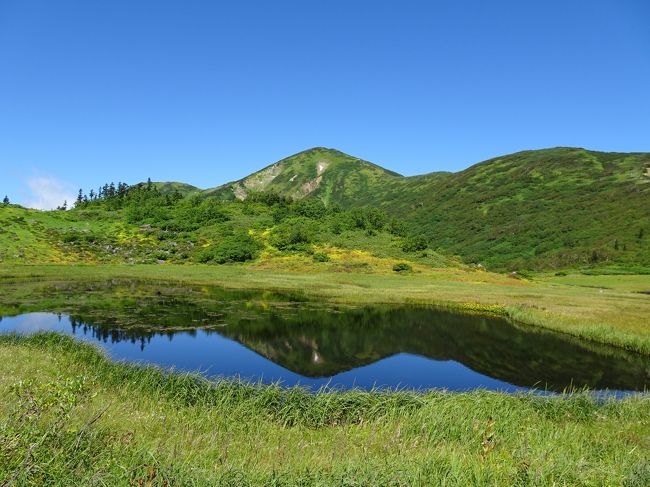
point(540, 208)
point(168, 187)
point(545, 208)
point(326, 174)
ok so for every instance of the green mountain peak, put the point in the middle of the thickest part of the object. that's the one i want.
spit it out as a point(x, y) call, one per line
point(327, 174)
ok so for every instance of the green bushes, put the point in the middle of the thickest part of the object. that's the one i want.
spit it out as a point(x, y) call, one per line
point(397, 227)
point(294, 233)
point(314, 209)
point(233, 248)
point(367, 218)
point(402, 267)
point(321, 257)
point(175, 215)
point(268, 198)
point(141, 224)
point(415, 244)
point(147, 208)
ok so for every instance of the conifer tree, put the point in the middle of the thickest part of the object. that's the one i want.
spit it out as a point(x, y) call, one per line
point(5, 200)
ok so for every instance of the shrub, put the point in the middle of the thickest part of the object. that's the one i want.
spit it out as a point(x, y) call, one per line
point(233, 248)
point(415, 244)
point(367, 218)
point(321, 257)
point(402, 267)
point(311, 208)
point(209, 211)
point(397, 227)
point(70, 237)
point(268, 198)
point(337, 227)
point(294, 233)
point(280, 214)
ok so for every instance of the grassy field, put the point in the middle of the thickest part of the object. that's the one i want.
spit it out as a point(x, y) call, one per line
point(606, 309)
point(68, 415)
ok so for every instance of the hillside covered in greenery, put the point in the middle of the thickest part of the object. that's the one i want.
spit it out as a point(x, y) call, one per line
point(143, 224)
point(544, 209)
point(549, 208)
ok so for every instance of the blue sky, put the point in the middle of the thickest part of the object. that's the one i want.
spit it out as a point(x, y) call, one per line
point(206, 91)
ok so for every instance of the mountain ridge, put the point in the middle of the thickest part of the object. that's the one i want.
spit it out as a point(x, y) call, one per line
point(222, 189)
point(541, 209)
point(567, 205)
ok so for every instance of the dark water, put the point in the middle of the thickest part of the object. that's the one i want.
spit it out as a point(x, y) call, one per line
point(269, 338)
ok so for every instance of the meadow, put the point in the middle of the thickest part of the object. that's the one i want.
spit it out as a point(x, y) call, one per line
point(69, 415)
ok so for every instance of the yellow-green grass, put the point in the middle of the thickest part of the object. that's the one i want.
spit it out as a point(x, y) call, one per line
point(68, 415)
point(35, 236)
point(606, 309)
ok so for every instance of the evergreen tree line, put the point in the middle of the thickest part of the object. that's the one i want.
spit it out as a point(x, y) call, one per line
point(110, 191)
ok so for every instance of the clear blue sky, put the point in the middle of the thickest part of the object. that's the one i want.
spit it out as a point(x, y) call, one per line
point(207, 91)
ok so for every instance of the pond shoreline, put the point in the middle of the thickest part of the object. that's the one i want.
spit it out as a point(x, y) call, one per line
point(617, 317)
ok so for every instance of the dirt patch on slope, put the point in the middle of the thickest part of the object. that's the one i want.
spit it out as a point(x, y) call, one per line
point(310, 186)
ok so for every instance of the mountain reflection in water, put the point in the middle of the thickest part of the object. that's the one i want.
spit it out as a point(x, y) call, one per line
point(315, 343)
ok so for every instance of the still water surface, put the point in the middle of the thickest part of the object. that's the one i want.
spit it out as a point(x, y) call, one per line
point(269, 338)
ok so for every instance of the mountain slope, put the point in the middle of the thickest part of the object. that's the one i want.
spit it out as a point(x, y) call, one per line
point(541, 209)
point(533, 209)
point(547, 208)
point(327, 174)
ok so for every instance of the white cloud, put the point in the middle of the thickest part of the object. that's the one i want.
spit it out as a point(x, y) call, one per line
point(48, 192)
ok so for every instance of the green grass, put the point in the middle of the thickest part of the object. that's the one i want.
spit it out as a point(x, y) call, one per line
point(68, 415)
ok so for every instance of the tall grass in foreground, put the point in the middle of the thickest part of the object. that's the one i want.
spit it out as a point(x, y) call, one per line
point(70, 416)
